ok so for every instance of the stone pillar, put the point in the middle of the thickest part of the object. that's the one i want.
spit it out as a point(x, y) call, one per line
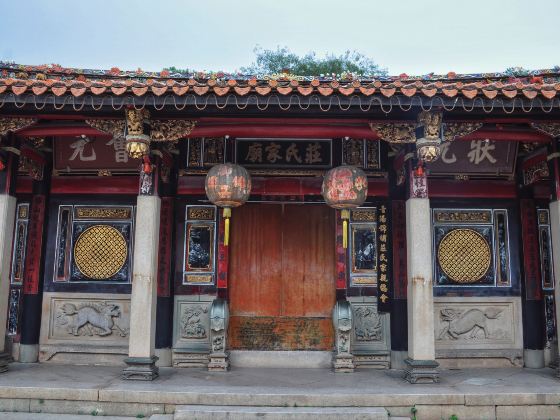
point(7, 218)
point(141, 351)
point(420, 364)
point(555, 237)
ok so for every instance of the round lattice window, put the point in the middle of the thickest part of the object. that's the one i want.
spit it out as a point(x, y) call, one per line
point(100, 252)
point(464, 255)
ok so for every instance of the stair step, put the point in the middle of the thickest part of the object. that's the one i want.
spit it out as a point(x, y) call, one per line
point(215, 412)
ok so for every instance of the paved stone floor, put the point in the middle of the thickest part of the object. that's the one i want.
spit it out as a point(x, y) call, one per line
point(51, 388)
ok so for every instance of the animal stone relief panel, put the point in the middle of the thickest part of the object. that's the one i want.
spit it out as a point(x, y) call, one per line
point(191, 323)
point(89, 318)
point(370, 327)
point(367, 324)
point(490, 323)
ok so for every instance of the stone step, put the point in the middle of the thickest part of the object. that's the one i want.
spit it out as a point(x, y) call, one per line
point(212, 412)
point(50, 416)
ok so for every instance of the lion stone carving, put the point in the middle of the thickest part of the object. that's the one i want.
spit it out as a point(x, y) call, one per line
point(96, 316)
point(459, 323)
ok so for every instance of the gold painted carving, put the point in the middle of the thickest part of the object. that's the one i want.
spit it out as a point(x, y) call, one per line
point(100, 252)
point(364, 215)
point(550, 129)
point(171, 130)
point(464, 255)
point(113, 127)
point(190, 278)
point(200, 213)
point(14, 124)
point(431, 121)
point(135, 119)
point(483, 216)
point(102, 213)
point(398, 132)
point(453, 130)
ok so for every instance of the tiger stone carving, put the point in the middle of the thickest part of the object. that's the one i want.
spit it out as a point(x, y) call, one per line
point(90, 319)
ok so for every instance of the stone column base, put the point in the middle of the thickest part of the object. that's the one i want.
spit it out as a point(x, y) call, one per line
point(343, 363)
point(421, 371)
point(219, 362)
point(5, 360)
point(140, 368)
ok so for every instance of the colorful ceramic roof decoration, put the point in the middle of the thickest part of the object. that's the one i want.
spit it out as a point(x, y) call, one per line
point(537, 88)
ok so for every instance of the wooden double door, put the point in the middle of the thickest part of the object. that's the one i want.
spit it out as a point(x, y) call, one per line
point(282, 277)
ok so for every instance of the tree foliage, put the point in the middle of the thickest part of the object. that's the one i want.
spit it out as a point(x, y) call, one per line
point(284, 60)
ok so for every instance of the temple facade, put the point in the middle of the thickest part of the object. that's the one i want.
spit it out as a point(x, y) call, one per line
point(215, 220)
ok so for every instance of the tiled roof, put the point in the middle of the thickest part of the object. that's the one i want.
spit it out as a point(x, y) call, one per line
point(53, 79)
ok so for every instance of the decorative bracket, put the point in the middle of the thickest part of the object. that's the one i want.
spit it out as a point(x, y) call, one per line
point(550, 129)
point(453, 130)
point(14, 124)
point(397, 132)
point(171, 130)
point(113, 127)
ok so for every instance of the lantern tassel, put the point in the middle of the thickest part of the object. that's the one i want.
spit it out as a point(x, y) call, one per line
point(227, 215)
point(345, 215)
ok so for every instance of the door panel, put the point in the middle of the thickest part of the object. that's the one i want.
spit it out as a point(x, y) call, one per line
point(282, 274)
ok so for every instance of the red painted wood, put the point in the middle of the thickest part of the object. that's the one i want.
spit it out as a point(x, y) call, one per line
point(283, 131)
point(95, 185)
point(282, 276)
point(531, 258)
point(341, 256)
point(471, 189)
point(507, 135)
point(194, 185)
point(164, 255)
point(63, 131)
point(34, 245)
point(24, 185)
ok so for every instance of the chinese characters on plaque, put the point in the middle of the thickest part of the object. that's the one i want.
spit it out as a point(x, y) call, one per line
point(288, 153)
point(476, 157)
point(88, 153)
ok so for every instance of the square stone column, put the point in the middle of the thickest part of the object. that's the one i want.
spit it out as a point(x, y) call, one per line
point(421, 364)
point(141, 347)
point(7, 221)
point(555, 238)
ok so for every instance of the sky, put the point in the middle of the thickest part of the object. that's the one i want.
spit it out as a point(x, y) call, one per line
point(405, 36)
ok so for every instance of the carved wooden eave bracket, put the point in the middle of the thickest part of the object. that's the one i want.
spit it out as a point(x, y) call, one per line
point(454, 130)
point(171, 130)
point(14, 124)
point(112, 127)
point(550, 129)
point(395, 132)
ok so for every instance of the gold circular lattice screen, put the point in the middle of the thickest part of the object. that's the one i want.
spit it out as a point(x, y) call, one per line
point(100, 252)
point(464, 255)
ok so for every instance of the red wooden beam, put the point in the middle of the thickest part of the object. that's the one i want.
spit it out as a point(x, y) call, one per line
point(95, 185)
point(440, 188)
point(505, 135)
point(284, 131)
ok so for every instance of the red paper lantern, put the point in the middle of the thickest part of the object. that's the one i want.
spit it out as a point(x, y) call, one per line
point(228, 185)
point(344, 188)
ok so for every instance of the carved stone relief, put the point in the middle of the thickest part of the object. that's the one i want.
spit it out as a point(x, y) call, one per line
point(367, 324)
point(192, 323)
point(88, 318)
point(478, 323)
